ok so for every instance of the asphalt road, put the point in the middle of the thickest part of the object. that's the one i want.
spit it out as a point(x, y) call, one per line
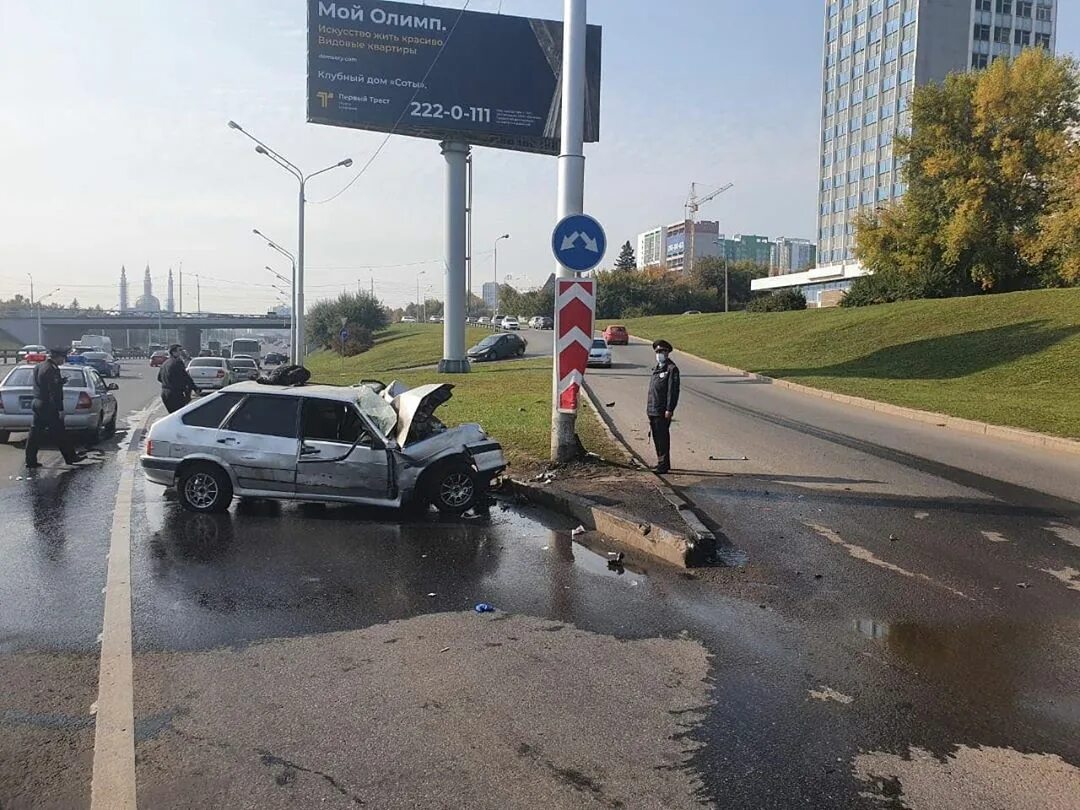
point(286, 656)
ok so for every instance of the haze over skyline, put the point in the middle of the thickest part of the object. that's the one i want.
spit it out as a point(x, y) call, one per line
point(117, 150)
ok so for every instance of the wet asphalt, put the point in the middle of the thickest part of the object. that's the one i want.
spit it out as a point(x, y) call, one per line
point(814, 655)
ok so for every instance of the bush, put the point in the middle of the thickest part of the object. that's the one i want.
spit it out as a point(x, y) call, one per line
point(781, 301)
point(363, 314)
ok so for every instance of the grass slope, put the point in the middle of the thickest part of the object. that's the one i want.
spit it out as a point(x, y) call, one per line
point(1007, 359)
point(511, 399)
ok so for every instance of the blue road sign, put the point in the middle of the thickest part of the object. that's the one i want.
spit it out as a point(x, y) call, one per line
point(579, 243)
point(344, 334)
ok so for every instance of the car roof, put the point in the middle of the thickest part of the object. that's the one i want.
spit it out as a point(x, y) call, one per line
point(339, 392)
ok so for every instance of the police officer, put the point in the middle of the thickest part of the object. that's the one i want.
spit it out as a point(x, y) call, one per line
point(49, 411)
point(176, 384)
point(663, 399)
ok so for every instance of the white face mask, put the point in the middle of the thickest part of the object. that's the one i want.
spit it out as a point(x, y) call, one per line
point(661, 358)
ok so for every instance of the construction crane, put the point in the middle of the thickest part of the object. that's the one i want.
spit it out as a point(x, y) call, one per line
point(693, 205)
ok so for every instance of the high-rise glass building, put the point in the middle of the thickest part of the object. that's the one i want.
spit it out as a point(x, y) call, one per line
point(876, 51)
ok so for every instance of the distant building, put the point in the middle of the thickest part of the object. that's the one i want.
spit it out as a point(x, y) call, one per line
point(490, 293)
point(747, 248)
point(650, 248)
point(822, 286)
point(668, 246)
point(792, 256)
point(147, 302)
point(170, 299)
point(124, 307)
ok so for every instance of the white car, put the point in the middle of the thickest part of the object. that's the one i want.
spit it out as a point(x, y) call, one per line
point(510, 324)
point(483, 320)
point(244, 368)
point(33, 348)
point(322, 443)
point(599, 354)
point(210, 373)
point(408, 319)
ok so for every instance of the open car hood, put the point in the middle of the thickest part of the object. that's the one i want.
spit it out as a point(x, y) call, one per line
point(416, 405)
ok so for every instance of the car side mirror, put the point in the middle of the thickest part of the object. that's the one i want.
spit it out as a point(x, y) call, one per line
point(112, 387)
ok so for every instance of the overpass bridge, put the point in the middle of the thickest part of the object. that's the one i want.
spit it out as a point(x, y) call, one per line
point(60, 327)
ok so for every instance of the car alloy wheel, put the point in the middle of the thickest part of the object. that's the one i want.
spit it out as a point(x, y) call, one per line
point(457, 489)
point(201, 490)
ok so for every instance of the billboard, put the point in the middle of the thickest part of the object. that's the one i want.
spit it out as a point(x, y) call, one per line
point(433, 72)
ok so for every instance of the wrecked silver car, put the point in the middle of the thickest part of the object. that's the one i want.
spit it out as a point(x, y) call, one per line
point(363, 445)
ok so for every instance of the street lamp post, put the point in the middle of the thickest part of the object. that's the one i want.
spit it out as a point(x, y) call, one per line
point(292, 289)
point(299, 348)
point(504, 236)
point(421, 273)
point(46, 295)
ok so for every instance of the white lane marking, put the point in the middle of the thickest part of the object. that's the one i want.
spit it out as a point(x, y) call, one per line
point(995, 537)
point(1070, 576)
point(113, 783)
point(864, 554)
point(922, 515)
point(828, 693)
point(1070, 534)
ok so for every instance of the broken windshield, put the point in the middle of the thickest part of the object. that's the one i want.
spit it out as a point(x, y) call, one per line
point(377, 410)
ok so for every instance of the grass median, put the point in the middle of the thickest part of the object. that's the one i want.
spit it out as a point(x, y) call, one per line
point(1009, 359)
point(510, 398)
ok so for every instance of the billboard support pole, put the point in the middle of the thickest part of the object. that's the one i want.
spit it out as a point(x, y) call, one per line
point(454, 360)
point(571, 191)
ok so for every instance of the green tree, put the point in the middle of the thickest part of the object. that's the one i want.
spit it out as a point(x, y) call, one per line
point(361, 313)
point(1058, 240)
point(709, 273)
point(626, 261)
point(979, 165)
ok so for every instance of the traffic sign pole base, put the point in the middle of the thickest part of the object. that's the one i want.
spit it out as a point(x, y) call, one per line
point(454, 367)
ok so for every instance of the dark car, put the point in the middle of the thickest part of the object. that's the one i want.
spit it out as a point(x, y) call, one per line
point(158, 358)
point(498, 347)
point(274, 359)
point(103, 362)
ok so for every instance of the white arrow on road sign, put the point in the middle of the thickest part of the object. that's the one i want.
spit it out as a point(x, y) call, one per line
point(590, 244)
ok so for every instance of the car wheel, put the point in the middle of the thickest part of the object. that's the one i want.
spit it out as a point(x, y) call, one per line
point(454, 489)
point(204, 488)
point(94, 435)
point(4, 436)
point(521, 352)
point(110, 428)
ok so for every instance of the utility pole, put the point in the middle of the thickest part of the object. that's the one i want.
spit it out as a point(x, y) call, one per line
point(181, 305)
point(571, 189)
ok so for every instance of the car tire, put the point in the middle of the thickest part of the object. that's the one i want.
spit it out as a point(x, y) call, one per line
point(521, 352)
point(453, 489)
point(204, 488)
point(110, 428)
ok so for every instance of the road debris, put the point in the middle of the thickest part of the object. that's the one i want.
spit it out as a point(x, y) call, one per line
point(432, 595)
point(1022, 585)
point(484, 607)
point(609, 404)
point(728, 458)
point(893, 538)
point(578, 531)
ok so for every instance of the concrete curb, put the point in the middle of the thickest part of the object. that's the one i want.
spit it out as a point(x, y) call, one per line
point(1010, 434)
point(655, 541)
point(698, 530)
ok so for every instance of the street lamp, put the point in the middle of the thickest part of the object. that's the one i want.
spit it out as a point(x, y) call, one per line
point(298, 291)
point(421, 273)
point(292, 291)
point(46, 295)
point(504, 236)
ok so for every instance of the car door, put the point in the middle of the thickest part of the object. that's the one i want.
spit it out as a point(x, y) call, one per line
point(340, 457)
point(259, 442)
point(100, 395)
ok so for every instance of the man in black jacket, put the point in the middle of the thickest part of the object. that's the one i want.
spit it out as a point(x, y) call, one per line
point(49, 411)
point(176, 384)
point(663, 399)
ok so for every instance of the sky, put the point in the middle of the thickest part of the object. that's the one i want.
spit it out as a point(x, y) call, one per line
point(115, 149)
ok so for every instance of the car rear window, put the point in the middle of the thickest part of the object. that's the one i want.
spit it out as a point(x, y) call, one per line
point(24, 377)
point(266, 416)
point(207, 362)
point(598, 343)
point(212, 411)
point(244, 363)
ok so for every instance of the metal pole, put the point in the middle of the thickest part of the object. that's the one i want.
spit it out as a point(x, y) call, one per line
point(300, 351)
point(468, 234)
point(571, 188)
point(725, 280)
point(496, 312)
point(39, 324)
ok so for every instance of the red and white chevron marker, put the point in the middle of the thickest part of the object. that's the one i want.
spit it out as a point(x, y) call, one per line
point(575, 305)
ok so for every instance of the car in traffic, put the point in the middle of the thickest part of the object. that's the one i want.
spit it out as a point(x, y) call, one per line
point(483, 320)
point(104, 363)
point(541, 322)
point(158, 358)
point(89, 405)
point(408, 319)
point(274, 359)
point(599, 354)
point(243, 368)
point(692, 312)
point(211, 373)
point(35, 349)
point(498, 347)
point(321, 443)
point(616, 335)
point(511, 324)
